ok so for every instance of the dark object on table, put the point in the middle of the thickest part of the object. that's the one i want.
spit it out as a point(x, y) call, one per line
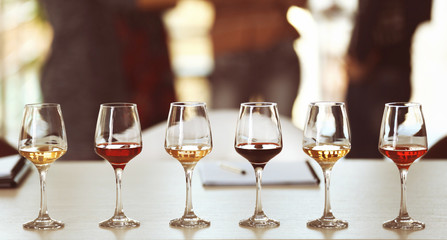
point(13, 169)
point(6, 149)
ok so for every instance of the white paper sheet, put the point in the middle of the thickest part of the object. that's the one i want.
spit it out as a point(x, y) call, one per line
point(275, 173)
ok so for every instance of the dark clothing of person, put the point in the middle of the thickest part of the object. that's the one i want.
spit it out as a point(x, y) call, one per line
point(380, 67)
point(437, 151)
point(254, 55)
point(146, 64)
point(86, 66)
point(272, 74)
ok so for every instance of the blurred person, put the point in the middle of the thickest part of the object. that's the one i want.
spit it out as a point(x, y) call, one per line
point(253, 54)
point(147, 68)
point(378, 66)
point(106, 51)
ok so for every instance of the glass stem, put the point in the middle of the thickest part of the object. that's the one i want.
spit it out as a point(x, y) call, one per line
point(119, 212)
point(403, 214)
point(189, 212)
point(258, 209)
point(327, 214)
point(43, 212)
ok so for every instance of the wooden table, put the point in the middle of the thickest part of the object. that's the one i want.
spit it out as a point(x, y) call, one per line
point(363, 192)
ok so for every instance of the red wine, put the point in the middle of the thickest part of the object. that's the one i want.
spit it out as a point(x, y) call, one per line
point(118, 153)
point(403, 155)
point(258, 154)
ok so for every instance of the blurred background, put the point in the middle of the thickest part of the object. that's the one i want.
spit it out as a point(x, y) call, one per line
point(332, 56)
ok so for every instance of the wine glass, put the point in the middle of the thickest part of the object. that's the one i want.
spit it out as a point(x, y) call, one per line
point(42, 141)
point(327, 139)
point(118, 140)
point(188, 139)
point(403, 139)
point(258, 139)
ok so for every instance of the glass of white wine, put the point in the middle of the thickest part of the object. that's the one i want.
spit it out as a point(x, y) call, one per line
point(326, 139)
point(42, 141)
point(188, 139)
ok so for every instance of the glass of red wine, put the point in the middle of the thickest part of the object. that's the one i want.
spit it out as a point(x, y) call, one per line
point(258, 139)
point(403, 139)
point(118, 140)
point(188, 139)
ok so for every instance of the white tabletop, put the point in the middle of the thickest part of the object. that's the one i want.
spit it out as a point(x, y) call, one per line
point(363, 192)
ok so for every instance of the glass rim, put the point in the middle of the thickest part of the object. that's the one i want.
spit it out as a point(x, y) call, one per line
point(402, 104)
point(326, 103)
point(117, 105)
point(42, 105)
point(188, 104)
point(258, 104)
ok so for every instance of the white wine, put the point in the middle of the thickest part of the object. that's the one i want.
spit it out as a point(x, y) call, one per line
point(42, 154)
point(326, 155)
point(189, 154)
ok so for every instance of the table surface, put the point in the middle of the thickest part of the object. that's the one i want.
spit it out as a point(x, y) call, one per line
point(363, 192)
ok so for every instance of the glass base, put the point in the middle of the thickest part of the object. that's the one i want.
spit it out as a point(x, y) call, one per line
point(119, 223)
point(404, 224)
point(259, 222)
point(189, 222)
point(328, 223)
point(44, 224)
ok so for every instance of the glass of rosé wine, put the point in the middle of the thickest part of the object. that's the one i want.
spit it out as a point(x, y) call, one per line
point(326, 139)
point(42, 141)
point(188, 139)
point(258, 139)
point(118, 140)
point(403, 139)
